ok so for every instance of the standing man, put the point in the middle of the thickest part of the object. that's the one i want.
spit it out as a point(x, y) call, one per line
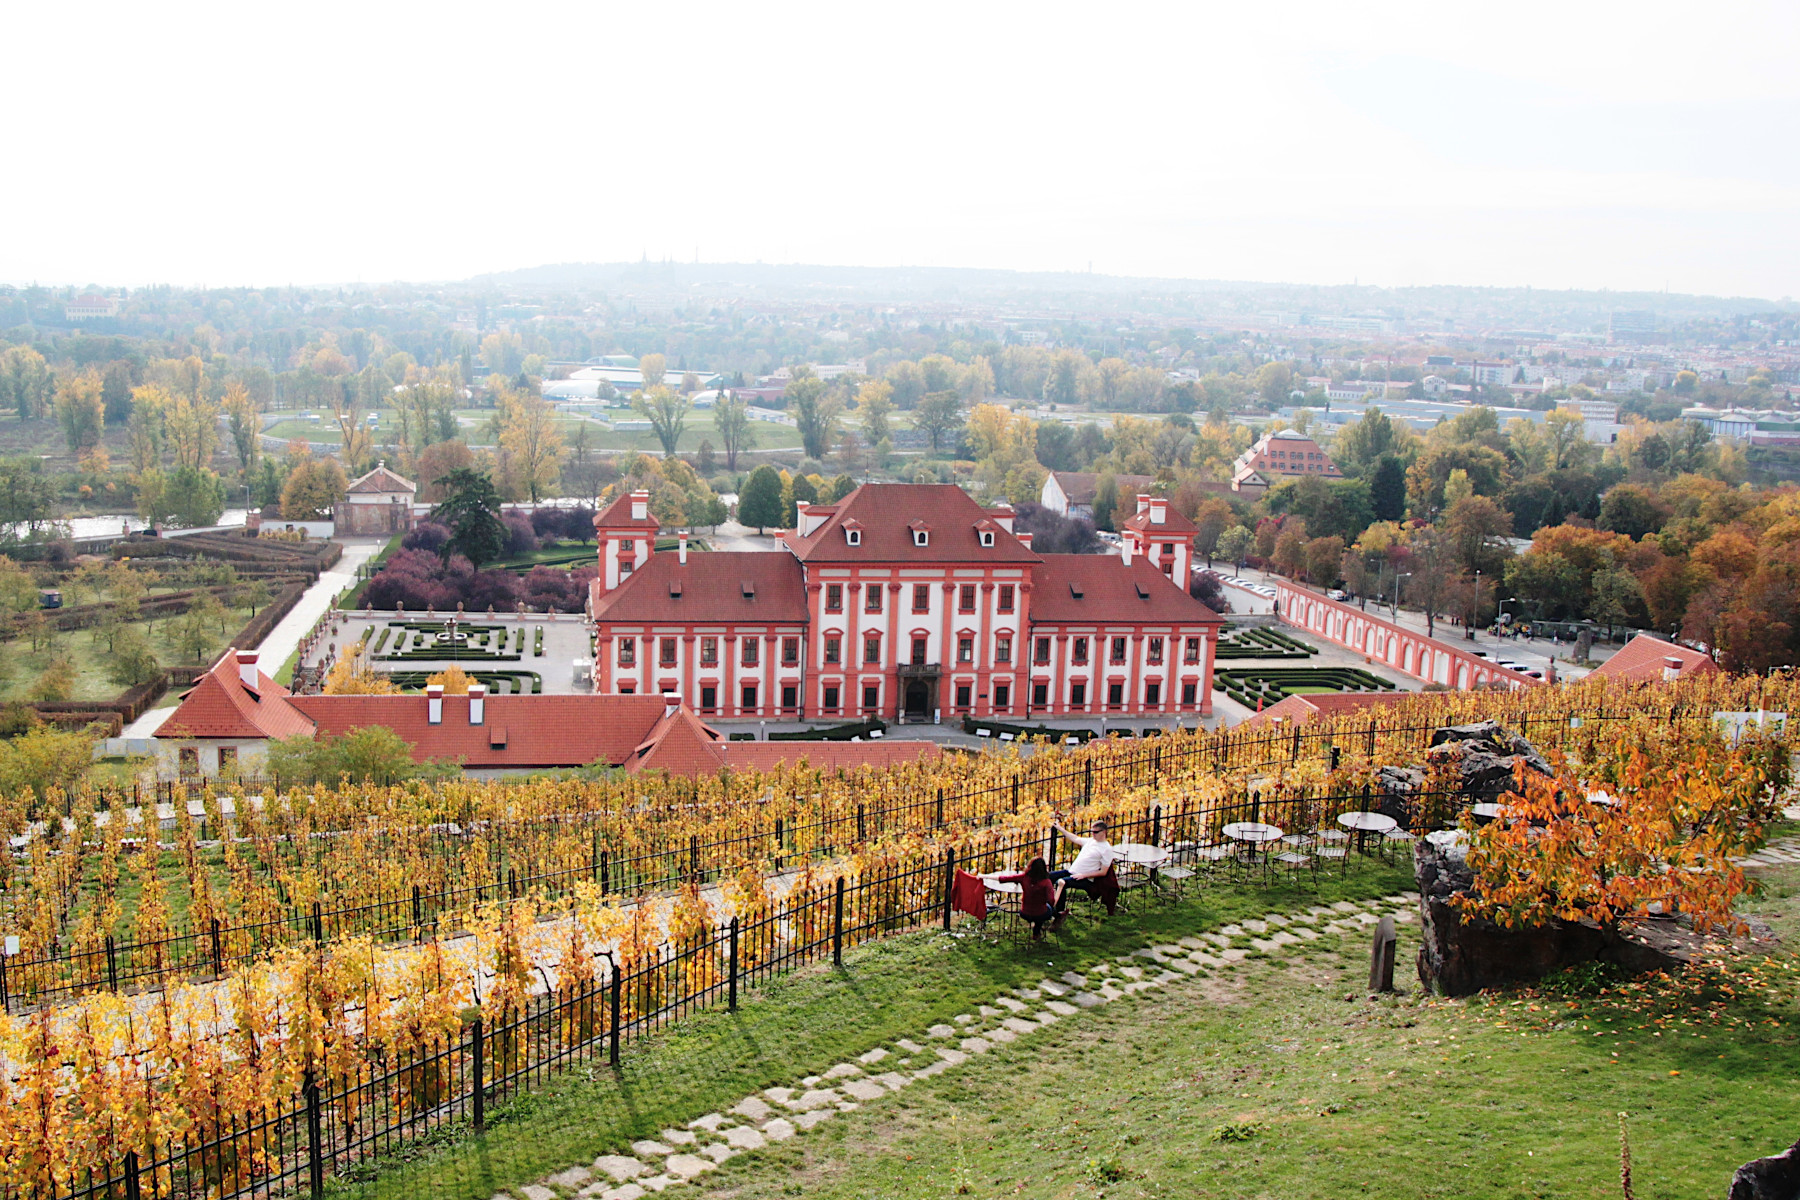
point(1089, 870)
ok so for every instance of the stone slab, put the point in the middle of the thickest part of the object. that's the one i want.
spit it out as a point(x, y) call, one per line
point(941, 1031)
point(650, 1149)
point(752, 1109)
point(719, 1151)
point(955, 1058)
point(808, 1120)
point(1011, 1005)
point(894, 1080)
point(844, 1071)
point(677, 1137)
point(911, 1047)
point(872, 1057)
point(572, 1178)
point(975, 1045)
point(864, 1089)
point(689, 1165)
point(745, 1138)
point(778, 1130)
point(618, 1167)
point(1061, 1009)
point(537, 1191)
point(1001, 1036)
point(1020, 1025)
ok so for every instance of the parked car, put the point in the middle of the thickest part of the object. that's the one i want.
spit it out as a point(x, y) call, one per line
point(1337, 594)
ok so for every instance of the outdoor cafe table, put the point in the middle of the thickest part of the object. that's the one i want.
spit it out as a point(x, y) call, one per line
point(1488, 812)
point(1365, 823)
point(1254, 834)
point(1136, 854)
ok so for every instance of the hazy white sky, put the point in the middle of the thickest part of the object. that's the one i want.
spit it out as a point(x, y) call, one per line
point(1570, 144)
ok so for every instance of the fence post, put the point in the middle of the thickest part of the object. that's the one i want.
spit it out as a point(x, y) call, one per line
point(1156, 825)
point(112, 966)
point(949, 884)
point(940, 807)
point(133, 1188)
point(318, 916)
point(478, 1052)
point(731, 987)
point(605, 871)
point(315, 1137)
point(618, 984)
point(218, 950)
point(1087, 781)
point(862, 830)
point(418, 908)
point(594, 858)
point(837, 927)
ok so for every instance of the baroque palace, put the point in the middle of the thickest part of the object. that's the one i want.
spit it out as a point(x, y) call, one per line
point(909, 602)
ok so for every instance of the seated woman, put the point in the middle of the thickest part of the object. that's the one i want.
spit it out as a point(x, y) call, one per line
point(1039, 895)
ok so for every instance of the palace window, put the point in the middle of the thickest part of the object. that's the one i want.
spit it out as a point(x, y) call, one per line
point(1118, 651)
point(790, 653)
point(1153, 693)
point(834, 649)
point(748, 696)
point(1189, 691)
point(666, 652)
point(962, 695)
point(1156, 652)
point(965, 649)
point(1078, 694)
point(871, 697)
point(1002, 697)
point(872, 649)
point(1190, 651)
point(1041, 653)
point(1040, 695)
point(831, 699)
point(872, 597)
point(1003, 649)
point(834, 597)
point(920, 647)
point(1006, 597)
point(709, 651)
point(752, 651)
point(1081, 650)
point(628, 652)
point(965, 598)
point(921, 597)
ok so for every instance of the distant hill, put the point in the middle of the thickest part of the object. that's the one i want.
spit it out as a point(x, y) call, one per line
point(1051, 289)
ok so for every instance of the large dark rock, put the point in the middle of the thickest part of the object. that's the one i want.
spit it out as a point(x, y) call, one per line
point(1398, 789)
point(1484, 757)
point(1774, 1178)
point(1458, 957)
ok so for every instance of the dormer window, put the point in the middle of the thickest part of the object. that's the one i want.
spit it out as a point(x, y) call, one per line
point(987, 538)
point(921, 537)
point(853, 537)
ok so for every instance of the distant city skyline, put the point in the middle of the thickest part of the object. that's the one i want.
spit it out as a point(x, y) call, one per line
point(1635, 148)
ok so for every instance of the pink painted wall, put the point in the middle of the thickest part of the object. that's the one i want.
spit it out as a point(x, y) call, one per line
point(1404, 650)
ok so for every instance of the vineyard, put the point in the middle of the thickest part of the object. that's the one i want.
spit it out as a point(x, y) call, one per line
point(373, 962)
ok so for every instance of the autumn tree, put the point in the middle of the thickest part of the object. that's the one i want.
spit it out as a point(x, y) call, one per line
point(815, 411)
point(313, 489)
point(938, 414)
point(651, 369)
point(874, 405)
point(81, 410)
point(760, 502)
point(530, 438)
point(667, 412)
point(471, 511)
point(245, 423)
point(737, 433)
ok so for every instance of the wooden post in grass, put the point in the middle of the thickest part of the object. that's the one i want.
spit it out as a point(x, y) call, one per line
point(1381, 957)
point(731, 987)
point(837, 926)
point(949, 885)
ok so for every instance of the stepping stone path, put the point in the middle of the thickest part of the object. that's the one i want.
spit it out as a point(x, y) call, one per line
point(1781, 852)
point(778, 1114)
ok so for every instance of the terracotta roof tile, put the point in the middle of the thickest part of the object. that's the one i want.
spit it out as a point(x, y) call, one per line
point(679, 744)
point(1642, 658)
point(541, 731)
point(1303, 710)
point(381, 481)
point(885, 513)
point(1110, 591)
point(220, 706)
point(1173, 522)
point(724, 587)
point(617, 515)
point(1080, 487)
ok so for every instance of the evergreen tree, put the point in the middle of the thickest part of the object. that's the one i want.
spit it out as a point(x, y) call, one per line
point(1387, 491)
point(760, 502)
point(471, 510)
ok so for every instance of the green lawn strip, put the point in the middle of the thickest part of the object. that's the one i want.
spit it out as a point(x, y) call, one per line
point(1284, 1080)
point(90, 657)
point(797, 1025)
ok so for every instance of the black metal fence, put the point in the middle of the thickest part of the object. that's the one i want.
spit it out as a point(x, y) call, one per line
point(65, 971)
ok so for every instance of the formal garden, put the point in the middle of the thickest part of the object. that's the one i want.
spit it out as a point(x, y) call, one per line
point(1261, 641)
point(1255, 687)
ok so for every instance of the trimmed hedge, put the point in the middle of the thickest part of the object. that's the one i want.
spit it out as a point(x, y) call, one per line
point(1247, 685)
point(1241, 641)
point(499, 683)
point(836, 733)
point(995, 728)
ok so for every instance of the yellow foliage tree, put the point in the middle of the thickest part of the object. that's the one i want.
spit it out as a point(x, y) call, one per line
point(456, 681)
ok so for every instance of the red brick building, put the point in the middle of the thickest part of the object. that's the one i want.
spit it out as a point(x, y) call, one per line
point(905, 601)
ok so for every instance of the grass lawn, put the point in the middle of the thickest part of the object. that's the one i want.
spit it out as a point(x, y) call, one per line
point(1278, 1078)
point(22, 665)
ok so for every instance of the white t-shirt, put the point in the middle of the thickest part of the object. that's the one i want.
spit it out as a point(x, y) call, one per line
point(1095, 857)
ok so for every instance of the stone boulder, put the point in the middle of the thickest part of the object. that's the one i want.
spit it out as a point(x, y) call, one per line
point(1485, 757)
point(1458, 957)
point(1774, 1178)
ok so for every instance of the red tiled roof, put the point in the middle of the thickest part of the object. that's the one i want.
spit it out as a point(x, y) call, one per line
point(1642, 658)
point(617, 515)
point(680, 744)
point(1082, 486)
point(1110, 592)
point(827, 756)
point(885, 512)
point(721, 587)
point(381, 481)
point(1303, 710)
point(531, 731)
point(220, 706)
point(1173, 522)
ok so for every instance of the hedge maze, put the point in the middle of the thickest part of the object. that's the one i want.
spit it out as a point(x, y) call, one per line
point(1261, 641)
point(1247, 685)
point(499, 683)
point(432, 641)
